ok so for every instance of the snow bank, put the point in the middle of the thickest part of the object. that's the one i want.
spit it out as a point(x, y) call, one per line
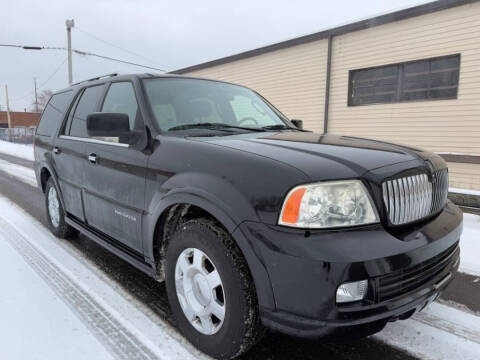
point(470, 245)
point(18, 150)
point(20, 172)
point(464, 191)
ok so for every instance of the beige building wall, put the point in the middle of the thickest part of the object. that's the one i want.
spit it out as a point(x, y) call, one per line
point(464, 176)
point(292, 79)
point(439, 125)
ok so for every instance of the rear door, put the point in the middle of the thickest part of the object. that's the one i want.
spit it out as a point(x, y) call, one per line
point(51, 120)
point(69, 150)
point(115, 175)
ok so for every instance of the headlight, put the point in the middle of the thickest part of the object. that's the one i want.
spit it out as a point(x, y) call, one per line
point(328, 204)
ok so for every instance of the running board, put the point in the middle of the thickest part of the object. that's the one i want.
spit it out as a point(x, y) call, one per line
point(122, 251)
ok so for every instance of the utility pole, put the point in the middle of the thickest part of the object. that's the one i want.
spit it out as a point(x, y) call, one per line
point(8, 107)
point(36, 98)
point(70, 23)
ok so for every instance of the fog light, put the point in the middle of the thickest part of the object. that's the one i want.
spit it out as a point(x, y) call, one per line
point(352, 291)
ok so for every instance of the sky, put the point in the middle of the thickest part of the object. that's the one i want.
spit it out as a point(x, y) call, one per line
point(163, 34)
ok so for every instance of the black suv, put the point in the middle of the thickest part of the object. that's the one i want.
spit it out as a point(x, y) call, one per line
point(252, 221)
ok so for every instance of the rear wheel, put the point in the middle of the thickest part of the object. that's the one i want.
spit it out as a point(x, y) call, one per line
point(55, 213)
point(211, 291)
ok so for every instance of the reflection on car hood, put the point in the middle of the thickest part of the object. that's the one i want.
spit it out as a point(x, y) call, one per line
point(324, 157)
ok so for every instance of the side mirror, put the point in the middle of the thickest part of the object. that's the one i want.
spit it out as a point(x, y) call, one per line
point(297, 123)
point(108, 125)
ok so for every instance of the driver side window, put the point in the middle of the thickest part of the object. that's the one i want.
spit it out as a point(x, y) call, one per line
point(120, 98)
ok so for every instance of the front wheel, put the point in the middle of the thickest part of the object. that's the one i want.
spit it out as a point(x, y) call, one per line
point(55, 213)
point(211, 291)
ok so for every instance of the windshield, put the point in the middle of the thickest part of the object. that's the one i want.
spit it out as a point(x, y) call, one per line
point(180, 104)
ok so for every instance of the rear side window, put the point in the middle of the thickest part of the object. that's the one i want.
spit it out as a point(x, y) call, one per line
point(121, 99)
point(53, 114)
point(86, 105)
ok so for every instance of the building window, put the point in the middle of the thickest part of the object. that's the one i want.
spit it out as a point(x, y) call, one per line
point(427, 79)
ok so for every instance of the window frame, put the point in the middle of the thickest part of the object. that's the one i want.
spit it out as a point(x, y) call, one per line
point(400, 76)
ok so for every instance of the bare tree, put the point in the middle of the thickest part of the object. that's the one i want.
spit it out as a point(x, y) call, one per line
point(43, 98)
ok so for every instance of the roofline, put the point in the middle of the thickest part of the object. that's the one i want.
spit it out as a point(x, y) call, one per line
point(359, 25)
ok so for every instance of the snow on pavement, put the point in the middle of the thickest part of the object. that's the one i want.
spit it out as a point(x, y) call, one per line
point(19, 150)
point(35, 323)
point(439, 332)
point(122, 325)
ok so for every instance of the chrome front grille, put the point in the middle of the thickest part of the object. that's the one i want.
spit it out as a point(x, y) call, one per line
point(415, 197)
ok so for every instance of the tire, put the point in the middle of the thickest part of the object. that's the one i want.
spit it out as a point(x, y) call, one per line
point(240, 328)
point(56, 223)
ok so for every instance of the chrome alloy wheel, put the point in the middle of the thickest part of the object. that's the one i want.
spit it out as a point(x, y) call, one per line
point(53, 207)
point(200, 291)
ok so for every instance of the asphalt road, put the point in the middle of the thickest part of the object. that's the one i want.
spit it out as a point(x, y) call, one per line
point(152, 294)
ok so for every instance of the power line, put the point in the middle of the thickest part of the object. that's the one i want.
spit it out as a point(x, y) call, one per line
point(53, 74)
point(42, 84)
point(79, 52)
point(113, 59)
point(115, 46)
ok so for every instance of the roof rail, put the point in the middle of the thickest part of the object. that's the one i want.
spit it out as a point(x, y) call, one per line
point(96, 78)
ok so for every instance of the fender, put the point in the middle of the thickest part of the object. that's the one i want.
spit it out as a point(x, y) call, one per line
point(202, 199)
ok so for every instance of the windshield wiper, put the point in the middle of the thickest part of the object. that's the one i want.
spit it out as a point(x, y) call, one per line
point(214, 126)
point(278, 127)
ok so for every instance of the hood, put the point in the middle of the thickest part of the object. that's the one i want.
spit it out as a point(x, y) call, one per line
point(324, 157)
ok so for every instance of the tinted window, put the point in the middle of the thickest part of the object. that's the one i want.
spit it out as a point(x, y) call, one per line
point(428, 79)
point(121, 99)
point(53, 114)
point(86, 105)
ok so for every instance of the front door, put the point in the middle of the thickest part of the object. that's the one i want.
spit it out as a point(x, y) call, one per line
point(114, 184)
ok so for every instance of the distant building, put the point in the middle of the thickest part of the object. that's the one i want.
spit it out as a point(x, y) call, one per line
point(409, 77)
point(19, 118)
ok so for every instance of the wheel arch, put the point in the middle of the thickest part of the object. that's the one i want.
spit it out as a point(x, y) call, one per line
point(179, 206)
point(44, 176)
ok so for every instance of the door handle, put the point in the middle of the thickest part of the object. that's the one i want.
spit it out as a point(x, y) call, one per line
point(92, 158)
point(56, 150)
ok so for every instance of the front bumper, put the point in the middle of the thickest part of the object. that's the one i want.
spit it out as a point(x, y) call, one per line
point(305, 268)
